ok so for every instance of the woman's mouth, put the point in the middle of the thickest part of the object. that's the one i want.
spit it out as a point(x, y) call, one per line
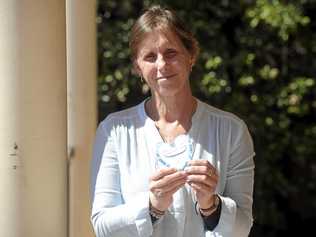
point(166, 77)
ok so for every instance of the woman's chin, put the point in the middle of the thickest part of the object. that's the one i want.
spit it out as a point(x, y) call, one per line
point(171, 90)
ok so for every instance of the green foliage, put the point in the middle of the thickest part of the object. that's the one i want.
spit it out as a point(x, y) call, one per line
point(286, 18)
point(258, 61)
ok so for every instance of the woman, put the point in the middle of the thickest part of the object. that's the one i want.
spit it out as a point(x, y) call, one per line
point(135, 195)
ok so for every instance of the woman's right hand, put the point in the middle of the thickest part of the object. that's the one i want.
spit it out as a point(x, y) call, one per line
point(163, 184)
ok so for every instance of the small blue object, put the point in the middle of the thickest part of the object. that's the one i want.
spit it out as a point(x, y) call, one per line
point(176, 154)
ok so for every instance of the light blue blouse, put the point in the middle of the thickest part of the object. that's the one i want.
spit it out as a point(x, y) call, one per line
point(124, 159)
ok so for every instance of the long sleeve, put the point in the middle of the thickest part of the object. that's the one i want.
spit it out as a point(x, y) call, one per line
point(236, 214)
point(124, 159)
point(111, 215)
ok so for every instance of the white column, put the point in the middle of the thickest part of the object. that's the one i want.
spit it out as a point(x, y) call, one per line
point(10, 170)
point(82, 109)
point(34, 111)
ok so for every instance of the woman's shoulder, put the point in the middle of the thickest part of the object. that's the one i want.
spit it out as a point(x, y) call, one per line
point(215, 113)
point(125, 116)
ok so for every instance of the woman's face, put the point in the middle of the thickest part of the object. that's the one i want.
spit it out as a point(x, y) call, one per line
point(164, 63)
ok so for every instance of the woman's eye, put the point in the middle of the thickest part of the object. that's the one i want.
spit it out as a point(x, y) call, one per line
point(150, 57)
point(171, 53)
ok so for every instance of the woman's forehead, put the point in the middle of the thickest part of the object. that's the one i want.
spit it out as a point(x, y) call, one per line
point(159, 38)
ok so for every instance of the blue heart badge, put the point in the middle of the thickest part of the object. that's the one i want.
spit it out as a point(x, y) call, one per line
point(176, 154)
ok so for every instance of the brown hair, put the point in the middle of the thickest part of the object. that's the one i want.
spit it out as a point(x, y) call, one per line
point(159, 17)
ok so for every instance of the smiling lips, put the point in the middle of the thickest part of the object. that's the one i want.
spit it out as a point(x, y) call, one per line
point(165, 77)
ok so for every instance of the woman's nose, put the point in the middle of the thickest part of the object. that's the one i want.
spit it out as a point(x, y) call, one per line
point(161, 62)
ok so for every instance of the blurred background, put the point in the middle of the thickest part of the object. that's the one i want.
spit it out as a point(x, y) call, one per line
point(258, 60)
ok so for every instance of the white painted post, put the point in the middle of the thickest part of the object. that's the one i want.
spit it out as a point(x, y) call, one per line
point(33, 113)
point(10, 171)
point(82, 109)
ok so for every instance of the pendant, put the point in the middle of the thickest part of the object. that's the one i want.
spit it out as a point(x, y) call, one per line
point(176, 154)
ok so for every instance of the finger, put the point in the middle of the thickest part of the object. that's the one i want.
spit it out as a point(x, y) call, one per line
point(171, 186)
point(201, 162)
point(168, 179)
point(163, 192)
point(204, 168)
point(174, 190)
point(202, 188)
point(162, 172)
point(203, 179)
point(201, 170)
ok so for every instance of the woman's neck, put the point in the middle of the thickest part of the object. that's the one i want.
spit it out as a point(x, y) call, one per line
point(171, 109)
point(172, 115)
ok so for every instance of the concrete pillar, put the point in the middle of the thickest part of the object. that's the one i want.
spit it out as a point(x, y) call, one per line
point(33, 115)
point(82, 109)
point(10, 171)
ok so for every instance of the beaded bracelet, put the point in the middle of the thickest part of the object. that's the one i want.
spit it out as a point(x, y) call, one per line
point(211, 209)
point(155, 212)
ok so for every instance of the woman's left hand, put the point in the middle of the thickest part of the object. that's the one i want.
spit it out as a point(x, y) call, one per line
point(203, 178)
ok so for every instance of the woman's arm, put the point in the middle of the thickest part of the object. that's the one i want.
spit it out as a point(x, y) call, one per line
point(236, 214)
point(111, 216)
